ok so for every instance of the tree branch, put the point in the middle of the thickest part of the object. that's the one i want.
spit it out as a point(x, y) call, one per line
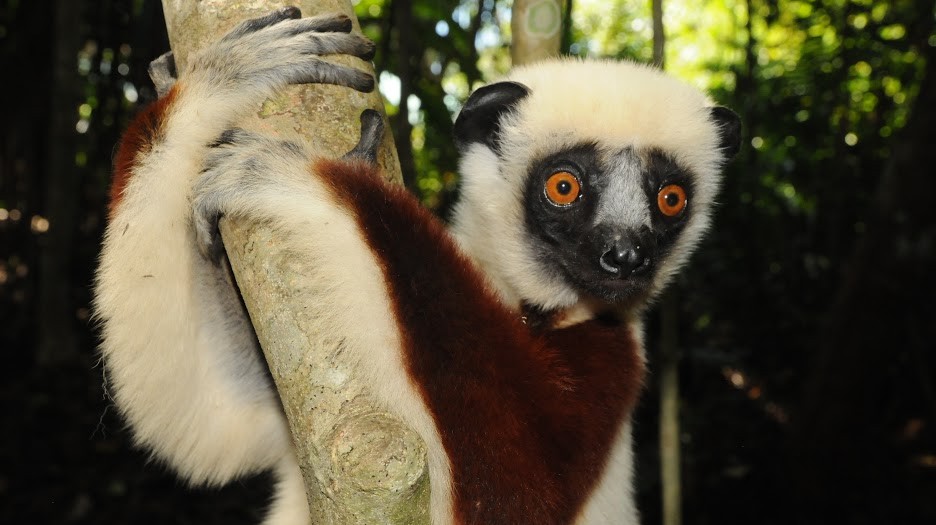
point(360, 464)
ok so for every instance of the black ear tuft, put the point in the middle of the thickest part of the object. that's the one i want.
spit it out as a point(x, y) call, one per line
point(479, 119)
point(729, 128)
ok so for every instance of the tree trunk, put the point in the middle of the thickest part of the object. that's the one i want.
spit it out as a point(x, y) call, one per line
point(401, 12)
point(670, 446)
point(360, 464)
point(56, 309)
point(659, 36)
point(536, 26)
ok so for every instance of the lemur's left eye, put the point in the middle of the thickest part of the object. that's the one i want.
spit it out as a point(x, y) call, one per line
point(672, 200)
point(562, 188)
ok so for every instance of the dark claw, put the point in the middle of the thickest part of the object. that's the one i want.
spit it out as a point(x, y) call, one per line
point(369, 51)
point(342, 25)
point(256, 24)
point(366, 85)
point(371, 133)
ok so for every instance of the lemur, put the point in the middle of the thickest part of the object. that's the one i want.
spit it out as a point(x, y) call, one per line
point(511, 341)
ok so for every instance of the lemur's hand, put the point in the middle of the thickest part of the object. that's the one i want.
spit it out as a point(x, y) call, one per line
point(263, 55)
point(243, 167)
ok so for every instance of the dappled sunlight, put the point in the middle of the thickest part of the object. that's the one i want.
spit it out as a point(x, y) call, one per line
point(39, 224)
point(755, 391)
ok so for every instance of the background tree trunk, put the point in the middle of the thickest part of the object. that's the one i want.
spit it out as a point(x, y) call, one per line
point(56, 321)
point(536, 26)
point(670, 445)
point(659, 36)
point(360, 464)
point(401, 16)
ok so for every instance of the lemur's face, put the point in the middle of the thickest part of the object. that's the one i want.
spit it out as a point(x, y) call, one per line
point(587, 180)
point(605, 218)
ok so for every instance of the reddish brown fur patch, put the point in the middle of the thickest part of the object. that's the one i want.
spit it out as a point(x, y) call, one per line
point(527, 419)
point(138, 139)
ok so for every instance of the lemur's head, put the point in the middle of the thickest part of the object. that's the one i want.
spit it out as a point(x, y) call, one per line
point(588, 180)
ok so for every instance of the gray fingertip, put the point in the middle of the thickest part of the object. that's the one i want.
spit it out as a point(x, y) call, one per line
point(369, 49)
point(342, 25)
point(289, 12)
point(364, 83)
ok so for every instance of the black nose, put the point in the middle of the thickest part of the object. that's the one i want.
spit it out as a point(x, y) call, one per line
point(625, 257)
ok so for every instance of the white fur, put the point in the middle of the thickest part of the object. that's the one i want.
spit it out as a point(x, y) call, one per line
point(181, 360)
point(612, 501)
point(184, 372)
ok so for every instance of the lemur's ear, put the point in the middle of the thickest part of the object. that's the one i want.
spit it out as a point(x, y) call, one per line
point(729, 130)
point(479, 119)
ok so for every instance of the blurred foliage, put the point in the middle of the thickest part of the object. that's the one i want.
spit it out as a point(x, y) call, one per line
point(827, 90)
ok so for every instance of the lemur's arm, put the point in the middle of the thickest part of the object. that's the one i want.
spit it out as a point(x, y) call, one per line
point(518, 423)
point(180, 356)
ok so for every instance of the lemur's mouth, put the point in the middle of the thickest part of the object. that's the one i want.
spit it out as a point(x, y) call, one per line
point(622, 291)
point(611, 287)
point(626, 286)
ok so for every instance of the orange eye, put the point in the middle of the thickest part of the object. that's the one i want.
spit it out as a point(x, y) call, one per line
point(562, 188)
point(672, 200)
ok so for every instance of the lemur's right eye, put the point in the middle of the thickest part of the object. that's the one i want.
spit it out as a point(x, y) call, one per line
point(562, 188)
point(672, 200)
